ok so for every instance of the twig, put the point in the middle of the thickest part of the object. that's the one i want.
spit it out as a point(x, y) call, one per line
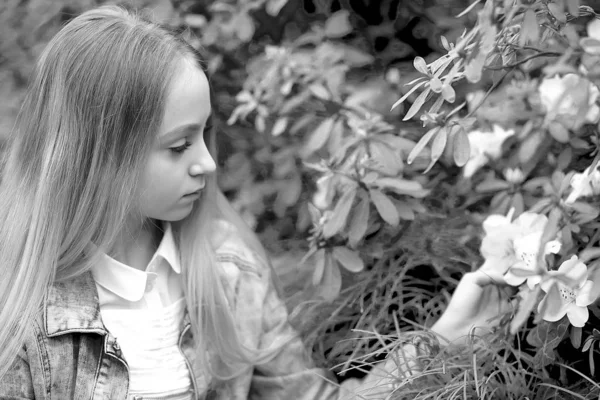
point(513, 65)
point(490, 90)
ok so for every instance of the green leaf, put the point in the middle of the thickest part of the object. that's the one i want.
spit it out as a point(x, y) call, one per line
point(405, 211)
point(546, 336)
point(402, 186)
point(558, 132)
point(359, 221)
point(338, 25)
point(340, 213)
point(439, 144)
point(421, 144)
point(385, 207)
point(492, 185)
point(319, 137)
point(319, 258)
point(332, 280)
point(388, 160)
point(530, 31)
point(348, 259)
point(573, 7)
point(279, 126)
point(421, 65)
point(558, 12)
point(412, 89)
point(416, 106)
point(525, 308)
point(576, 336)
point(448, 93)
point(461, 148)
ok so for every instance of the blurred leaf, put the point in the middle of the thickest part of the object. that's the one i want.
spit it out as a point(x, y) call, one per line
point(573, 7)
point(340, 213)
point(273, 7)
point(404, 211)
point(359, 221)
point(529, 29)
point(385, 207)
point(402, 186)
point(383, 155)
point(279, 126)
point(530, 146)
point(332, 280)
point(558, 132)
point(492, 185)
point(525, 307)
point(349, 259)
point(558, 12)
point(338, 25)
point(319, 137)
point(244, 25)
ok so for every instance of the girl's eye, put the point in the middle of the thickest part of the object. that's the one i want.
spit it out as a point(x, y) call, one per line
point(182, 148)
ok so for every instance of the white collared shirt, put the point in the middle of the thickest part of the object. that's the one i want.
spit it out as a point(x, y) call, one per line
point(144, 311)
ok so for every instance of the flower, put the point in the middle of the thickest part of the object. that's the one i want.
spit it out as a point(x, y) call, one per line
point(325, 191)
point(512, 246)
point(584, 184)
point(562, 97)
point(485, 146)
point(514, 175)
point(571, 299)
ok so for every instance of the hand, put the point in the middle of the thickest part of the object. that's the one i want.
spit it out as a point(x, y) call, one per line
point(477, 300)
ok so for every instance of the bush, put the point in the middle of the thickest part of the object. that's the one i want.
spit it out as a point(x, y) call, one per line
point(395, 147)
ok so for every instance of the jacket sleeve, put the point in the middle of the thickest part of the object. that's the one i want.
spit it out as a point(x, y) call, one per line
point(17, 384)
point(290, 374)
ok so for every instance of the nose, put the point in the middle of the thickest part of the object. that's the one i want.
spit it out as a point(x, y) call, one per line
point(203, 163)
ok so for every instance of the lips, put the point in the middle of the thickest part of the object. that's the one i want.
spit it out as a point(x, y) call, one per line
point(197, 191)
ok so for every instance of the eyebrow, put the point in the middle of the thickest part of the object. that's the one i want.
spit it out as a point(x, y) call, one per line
point(184, 130)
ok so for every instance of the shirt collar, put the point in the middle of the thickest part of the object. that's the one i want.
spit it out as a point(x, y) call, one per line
point(128, 282)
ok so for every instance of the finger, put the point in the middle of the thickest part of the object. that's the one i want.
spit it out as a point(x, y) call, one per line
point(487, 277)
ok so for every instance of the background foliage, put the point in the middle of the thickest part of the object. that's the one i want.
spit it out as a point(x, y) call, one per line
point(366, 142)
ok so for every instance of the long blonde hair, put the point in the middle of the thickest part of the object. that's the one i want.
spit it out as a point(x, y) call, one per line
point(70, 177)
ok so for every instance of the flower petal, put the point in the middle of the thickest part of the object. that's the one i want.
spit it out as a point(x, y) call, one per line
point(551, 308)
point(574, 269)
point(530, 222)
point(553, 247)
point(578, 316)
point(585, 297)
point(533, 281)
point(513, 279)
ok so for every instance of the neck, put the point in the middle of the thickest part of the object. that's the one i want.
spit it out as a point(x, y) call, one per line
point(136, 243)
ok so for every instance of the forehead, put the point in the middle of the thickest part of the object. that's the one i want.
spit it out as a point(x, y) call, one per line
point(188, 98)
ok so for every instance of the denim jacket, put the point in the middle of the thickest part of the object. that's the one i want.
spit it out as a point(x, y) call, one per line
point(69, 354)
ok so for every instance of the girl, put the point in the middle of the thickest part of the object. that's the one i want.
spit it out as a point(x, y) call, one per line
point(125, 273)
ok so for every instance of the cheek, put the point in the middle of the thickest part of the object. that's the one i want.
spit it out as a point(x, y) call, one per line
point(160, 186)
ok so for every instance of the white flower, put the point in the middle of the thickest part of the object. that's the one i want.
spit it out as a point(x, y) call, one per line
point(562, 298)
point(515, 244)
point(584, 184)
point(559, 98)
point(514, 175)
point(485, 146)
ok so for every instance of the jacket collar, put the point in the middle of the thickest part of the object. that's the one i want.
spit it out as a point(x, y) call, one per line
point(72, 306)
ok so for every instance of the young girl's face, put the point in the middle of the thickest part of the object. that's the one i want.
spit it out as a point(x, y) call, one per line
point(179, 160)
